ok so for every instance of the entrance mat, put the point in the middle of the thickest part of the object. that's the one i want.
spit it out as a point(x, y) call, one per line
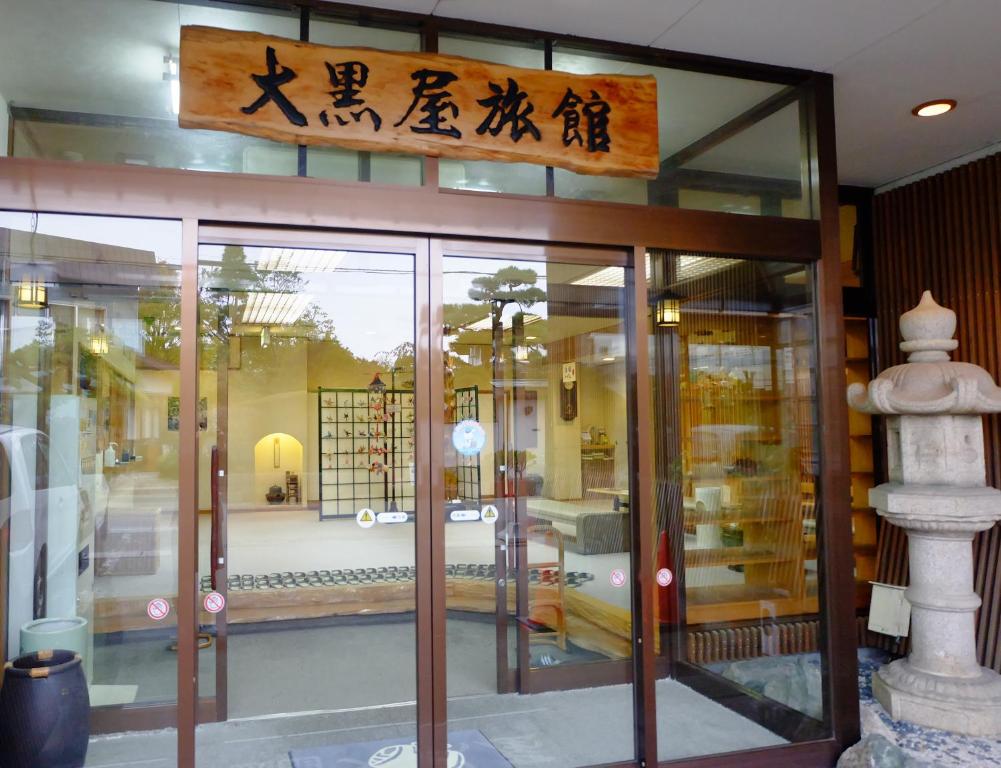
point(466, 749)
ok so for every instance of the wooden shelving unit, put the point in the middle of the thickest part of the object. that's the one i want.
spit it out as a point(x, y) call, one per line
point(750, 429)
point(858, 369)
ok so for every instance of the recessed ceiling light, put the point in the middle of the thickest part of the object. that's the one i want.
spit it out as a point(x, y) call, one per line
point(608, 359)
point(934, 108)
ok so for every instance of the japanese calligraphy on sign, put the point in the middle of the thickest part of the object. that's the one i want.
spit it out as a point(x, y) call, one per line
point(418, 103)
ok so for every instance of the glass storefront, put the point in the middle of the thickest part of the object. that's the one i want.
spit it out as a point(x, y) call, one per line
point(539, 355)
point(733, 365)
point(90, 456)
point(310, 447)
point(516, 487)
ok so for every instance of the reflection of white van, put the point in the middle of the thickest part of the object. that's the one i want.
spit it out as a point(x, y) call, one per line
point(46, 516)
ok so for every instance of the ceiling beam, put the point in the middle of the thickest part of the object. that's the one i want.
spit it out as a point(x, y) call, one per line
point(733, 183)
point(731, 128)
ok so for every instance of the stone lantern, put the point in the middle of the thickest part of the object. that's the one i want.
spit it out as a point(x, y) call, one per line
point(938, 493)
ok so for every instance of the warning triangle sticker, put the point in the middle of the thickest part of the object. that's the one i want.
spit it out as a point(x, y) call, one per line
point(366, 517)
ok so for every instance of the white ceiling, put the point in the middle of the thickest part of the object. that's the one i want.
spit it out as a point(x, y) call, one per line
point(886, 55)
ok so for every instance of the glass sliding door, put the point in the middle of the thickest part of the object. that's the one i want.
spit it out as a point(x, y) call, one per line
point(735, 454)
point(89, 351)
point(533, 495)
point(308, 497)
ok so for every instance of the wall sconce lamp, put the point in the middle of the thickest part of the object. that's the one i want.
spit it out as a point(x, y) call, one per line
point(265, 336)
point(99, 344)
point(32, 294)
point(667, 312)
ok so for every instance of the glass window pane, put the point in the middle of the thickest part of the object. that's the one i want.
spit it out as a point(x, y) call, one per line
point(351, 165)
point(733, 365)
point(538, 598)
point(484, 175)
point(307, 389)
point(105, 99)
point(89, 338)
point(750, 166)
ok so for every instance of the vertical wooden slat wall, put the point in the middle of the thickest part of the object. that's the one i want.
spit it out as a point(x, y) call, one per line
point(943, 234)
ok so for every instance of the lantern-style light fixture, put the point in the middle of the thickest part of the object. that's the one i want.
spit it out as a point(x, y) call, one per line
point(99, 344)
point(377, 386)
point(667, 312)
point(32, 294)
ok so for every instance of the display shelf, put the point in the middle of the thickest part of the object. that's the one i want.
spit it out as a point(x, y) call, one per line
point(708, 558)
point(728, 603)
point(748, 425)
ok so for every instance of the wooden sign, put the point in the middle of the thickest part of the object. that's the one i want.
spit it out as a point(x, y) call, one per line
point(418, 103)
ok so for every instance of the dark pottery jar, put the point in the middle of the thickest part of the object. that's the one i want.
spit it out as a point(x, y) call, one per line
point(44, 711)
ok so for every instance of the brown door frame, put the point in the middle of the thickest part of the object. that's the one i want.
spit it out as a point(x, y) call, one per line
point(214, 708)
point(523, 678)
point(189, 196)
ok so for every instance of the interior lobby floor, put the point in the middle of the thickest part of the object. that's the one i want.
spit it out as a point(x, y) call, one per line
point(282, 538)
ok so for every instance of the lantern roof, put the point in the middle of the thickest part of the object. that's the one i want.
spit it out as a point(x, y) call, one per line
point(929, 383)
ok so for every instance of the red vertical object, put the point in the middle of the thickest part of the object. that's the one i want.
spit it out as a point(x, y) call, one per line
point(667, 597)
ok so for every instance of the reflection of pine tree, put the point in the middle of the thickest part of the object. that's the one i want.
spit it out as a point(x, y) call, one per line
point(161, 328)
point(234, 272)
point(28, 366)
point(223, 294)
point(45, 332)
point(510, 285)
point(400, 358)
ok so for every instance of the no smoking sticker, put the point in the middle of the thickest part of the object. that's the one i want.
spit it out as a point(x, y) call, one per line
point(665, 577)
point(157, 609)
point(617, 578)
point(214, 602)
point(365, 518)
